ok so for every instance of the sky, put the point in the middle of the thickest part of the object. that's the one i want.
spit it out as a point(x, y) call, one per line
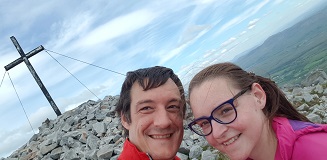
point(120, 36)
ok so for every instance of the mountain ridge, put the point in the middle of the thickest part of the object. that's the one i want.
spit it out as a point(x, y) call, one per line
point(288, 55)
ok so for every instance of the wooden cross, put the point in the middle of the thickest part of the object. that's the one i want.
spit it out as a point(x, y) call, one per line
point(24, 57)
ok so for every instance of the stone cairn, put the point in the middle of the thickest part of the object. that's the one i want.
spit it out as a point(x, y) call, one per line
point(93, 131)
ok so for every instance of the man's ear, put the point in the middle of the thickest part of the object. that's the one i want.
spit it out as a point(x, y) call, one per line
point(124, 121)
point(260, 95)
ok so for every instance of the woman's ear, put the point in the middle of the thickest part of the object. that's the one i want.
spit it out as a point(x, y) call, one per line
point(260, 95)
point(124, 121)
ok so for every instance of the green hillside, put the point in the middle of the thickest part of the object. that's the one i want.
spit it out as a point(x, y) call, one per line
point(287, 56)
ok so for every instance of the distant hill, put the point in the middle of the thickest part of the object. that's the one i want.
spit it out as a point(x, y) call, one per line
point(288, 55)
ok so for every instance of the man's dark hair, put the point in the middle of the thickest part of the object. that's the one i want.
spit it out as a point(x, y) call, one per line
point(147, 78)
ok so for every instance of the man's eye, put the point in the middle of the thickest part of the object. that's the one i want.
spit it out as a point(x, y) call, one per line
point(174, 108)
point(145, 108)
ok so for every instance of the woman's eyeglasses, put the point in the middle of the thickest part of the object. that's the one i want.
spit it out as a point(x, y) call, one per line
point(224, 114)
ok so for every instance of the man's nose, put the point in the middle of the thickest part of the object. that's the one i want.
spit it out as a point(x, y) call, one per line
point(162, 119)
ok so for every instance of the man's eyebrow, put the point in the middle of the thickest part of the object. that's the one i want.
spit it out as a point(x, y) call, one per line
point(144, 101)
point(176, 100)
point(151, 101)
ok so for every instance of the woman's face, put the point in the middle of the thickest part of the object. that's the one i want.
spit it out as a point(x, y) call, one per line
point(241, 138)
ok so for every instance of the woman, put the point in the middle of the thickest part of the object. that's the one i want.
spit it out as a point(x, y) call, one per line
point(247, 117)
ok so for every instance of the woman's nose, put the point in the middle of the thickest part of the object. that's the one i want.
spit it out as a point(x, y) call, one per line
point(218, 129)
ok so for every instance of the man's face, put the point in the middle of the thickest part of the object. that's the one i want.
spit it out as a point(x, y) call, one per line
point(156, 120)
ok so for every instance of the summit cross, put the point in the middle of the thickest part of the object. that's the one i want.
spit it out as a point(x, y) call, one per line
point(24, 57)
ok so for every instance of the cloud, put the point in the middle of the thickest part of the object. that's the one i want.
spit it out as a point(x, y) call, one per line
point(9, 57)
point(172, 54)
point(187, 72)
point(204, 1)
point(209, 53)
point(15, 138)
point(12, 141)
point(119, 26)
point(69, 31)
point(176, 51)
point(241, 17)
point(277, 2)
point(223, 50)
point(229, 25)
point(192, 32)
point(22, 86)
point(229, 41)
point(83, 95)
point(40, 115)
point(256, 8)
point(242, 33)
point(71, 106)
point(25, 14)
point(251, 27)
point(252, 23)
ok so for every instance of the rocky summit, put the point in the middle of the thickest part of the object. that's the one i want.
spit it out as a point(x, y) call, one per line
point(93, 131)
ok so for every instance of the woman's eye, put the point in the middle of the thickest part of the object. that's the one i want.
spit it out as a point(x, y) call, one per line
point(225, 111)
point(204, 124)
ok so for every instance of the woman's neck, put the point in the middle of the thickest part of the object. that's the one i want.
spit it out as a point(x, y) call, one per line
point(267, 145)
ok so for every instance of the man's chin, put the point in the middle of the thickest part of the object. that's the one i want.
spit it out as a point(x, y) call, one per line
point(163, 155)
point(164, 147)
point(167, 150)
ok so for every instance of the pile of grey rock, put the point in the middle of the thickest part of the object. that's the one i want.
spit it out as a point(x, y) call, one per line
point(310, 97)
point(93, 130)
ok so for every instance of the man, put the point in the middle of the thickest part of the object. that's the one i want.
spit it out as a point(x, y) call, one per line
point(151, 108)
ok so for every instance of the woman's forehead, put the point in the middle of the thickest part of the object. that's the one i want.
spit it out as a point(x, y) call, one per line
point(210, 94)
point(220, 85)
